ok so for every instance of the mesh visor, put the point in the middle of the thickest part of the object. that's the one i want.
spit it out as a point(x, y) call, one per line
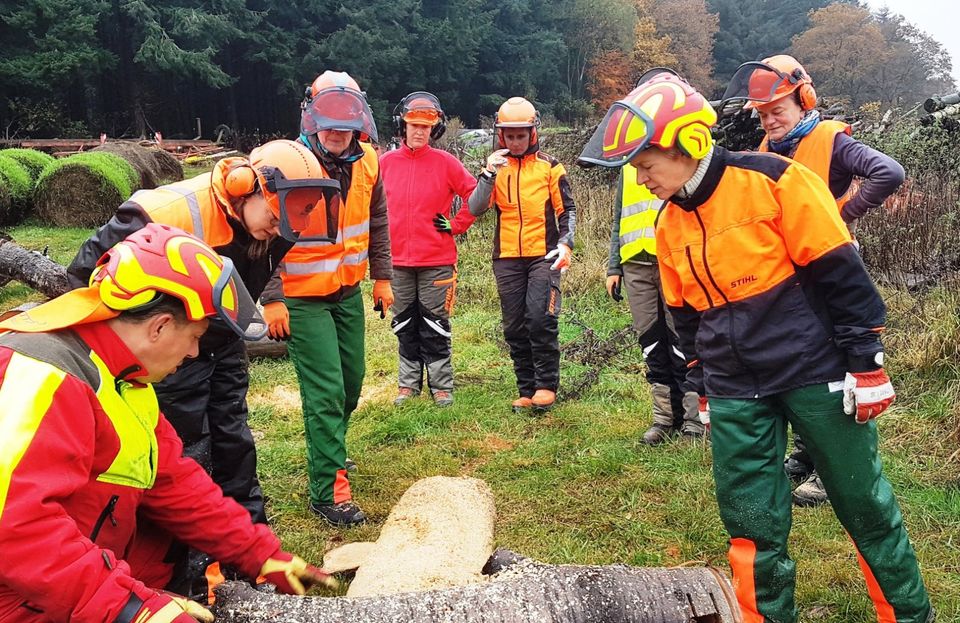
point(234, 305)
point(624, 132)
point(421, 108)
point(756, 82)
point(338, 108)
point(309, 209)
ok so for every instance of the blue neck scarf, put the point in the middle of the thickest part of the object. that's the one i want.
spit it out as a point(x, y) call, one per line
point(785, 146)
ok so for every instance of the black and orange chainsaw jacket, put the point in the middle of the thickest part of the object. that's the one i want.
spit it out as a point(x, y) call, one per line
point(766, 289)
point(534, 205)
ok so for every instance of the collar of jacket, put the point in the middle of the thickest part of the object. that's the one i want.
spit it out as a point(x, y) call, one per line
point(122, 363)
point(709, 183)
point(415, 153)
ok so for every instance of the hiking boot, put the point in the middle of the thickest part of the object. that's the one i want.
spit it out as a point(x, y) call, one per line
point(797, 471)
point(811, 492)
point(544, 399)
point(404, 394)
point(341, 515)
point(522, 404)
point(691, 433)
point(657, 434)
point(349, 465)
point(442, 398)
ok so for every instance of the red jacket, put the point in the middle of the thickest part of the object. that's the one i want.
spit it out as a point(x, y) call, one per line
point(419, 184)
point(84, 452)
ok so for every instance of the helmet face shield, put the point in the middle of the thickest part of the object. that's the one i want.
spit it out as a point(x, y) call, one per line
point(624, 132)
point(308, 209)
point(338, 108)
point(758, 83)
point(421, 108)
point(235, 306)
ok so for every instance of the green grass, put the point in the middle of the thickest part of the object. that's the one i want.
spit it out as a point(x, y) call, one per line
point(576, 486)
point(113, 169)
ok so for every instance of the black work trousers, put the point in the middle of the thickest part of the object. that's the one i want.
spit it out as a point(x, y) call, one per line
point(530, 303)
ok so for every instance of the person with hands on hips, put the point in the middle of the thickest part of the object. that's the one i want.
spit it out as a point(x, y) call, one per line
point(95, 481)
point(781, 91)
point(421, 183)
point(314, 300)
point(532, 247)
point(780, 322)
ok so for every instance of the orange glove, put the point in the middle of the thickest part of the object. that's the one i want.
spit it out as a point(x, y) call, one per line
point(382, 296)
point(277, 318)
point(292, 575)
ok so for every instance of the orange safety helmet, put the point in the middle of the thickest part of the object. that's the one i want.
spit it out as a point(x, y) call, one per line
point(334, 101)
point(516, 112)
point(295, 187)
point(419, 107)
point(769, 80)
point(665, 111)
point(155, 260)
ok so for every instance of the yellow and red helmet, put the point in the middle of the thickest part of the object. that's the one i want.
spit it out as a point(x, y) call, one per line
point(769, 80)
point(517, 112)
point(665, 111)
point(335, 102)
point(160, 259)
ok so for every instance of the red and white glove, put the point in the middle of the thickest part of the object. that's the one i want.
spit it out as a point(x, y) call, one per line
point(867, 394)
point(563, 255)
point(703, 411)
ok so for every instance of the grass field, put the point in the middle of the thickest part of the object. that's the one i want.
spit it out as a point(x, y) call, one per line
point(576, 486)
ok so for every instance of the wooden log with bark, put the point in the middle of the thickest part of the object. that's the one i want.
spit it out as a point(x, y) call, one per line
point(32, 268)
point(524, 592)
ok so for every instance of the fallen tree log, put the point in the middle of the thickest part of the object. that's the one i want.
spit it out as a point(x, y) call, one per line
point(525, 592)
point(32, 268)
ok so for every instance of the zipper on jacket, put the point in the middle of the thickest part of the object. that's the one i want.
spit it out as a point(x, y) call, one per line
point(733, 336)
point(106, 512)
point(519, 209)
point(697, 277)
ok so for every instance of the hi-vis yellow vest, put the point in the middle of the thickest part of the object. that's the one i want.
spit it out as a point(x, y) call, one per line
point(637, 217)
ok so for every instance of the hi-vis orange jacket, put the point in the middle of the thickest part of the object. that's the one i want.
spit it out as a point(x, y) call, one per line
point(323, 269)
point(84, 454)
point(535, 209)
point(815, 151)
point(766, 290)
point(198, 206)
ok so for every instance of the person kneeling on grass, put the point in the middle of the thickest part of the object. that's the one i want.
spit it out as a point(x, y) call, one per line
point(92, 475)
point(780, 322)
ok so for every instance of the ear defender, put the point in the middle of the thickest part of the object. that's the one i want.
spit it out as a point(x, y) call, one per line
point(240, 181)
point(694, 140)
point(806, 92)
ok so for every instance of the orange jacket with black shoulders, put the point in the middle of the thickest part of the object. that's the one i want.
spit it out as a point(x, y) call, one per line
point(534, 205)
point(766, 289)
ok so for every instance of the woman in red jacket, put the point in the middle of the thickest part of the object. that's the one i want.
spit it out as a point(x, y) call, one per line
point(421, 184)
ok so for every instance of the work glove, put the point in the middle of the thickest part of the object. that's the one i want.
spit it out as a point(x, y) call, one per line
point(293, 576)
point(496, 160)
point(563, 255)
point(703, 411)
point(277, 317)
point(169, 608)
point(614, 287)
point(442, 224)
point(382, 296)
point(867, 394)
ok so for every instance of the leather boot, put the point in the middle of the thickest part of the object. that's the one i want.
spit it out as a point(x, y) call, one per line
point(544, 399)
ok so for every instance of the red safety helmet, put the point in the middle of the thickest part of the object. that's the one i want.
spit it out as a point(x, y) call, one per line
point(665, 111)
point(769, 80)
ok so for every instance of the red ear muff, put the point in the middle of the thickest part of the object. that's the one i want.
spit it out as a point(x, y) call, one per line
point(808, 96)
point(240, 181)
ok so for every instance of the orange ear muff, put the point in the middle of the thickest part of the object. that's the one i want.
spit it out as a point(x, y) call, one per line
point(240, 181)
point(694, 140)
point(808, 96)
